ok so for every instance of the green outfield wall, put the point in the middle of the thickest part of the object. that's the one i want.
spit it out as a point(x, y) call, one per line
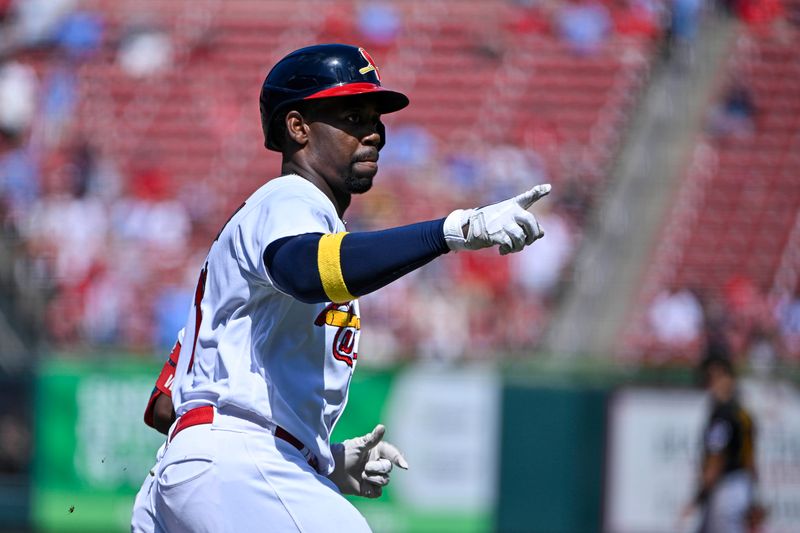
point(551, 468)
point(92, 447)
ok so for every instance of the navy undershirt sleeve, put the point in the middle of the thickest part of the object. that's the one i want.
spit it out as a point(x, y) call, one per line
point(292, 265)
point(369, 260)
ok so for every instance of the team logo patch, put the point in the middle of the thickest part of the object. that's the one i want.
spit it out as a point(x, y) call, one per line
point(370, 64)
point(342, 317)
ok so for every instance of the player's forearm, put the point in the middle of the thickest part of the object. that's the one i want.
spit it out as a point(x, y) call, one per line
point(712, 472)
point(163, 414)
point(338, 267)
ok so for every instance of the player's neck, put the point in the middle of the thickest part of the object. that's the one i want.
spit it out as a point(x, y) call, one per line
point(340, 199)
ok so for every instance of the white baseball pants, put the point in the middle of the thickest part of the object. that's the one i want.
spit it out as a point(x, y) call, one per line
point(143, 515)
point(728, 504)
point(234, 475)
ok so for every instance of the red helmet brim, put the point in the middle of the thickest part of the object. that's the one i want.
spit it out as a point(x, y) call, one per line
point(388, 101)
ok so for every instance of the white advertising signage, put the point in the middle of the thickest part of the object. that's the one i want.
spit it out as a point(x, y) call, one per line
point(449, 422)
point(652, 456)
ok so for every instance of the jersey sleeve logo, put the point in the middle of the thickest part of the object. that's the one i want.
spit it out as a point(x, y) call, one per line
point(348, 324)
point(719, 436)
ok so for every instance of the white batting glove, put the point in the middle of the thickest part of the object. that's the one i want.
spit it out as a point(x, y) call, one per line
point(363, 464)
point(506, 223)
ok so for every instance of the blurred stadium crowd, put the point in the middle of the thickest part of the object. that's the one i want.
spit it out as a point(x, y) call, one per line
point(129, 132)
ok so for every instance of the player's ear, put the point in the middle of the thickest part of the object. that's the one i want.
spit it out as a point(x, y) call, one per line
point(296, 127)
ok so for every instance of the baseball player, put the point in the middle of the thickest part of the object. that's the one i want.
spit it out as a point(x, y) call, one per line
point(726, 492)
point(272, 335)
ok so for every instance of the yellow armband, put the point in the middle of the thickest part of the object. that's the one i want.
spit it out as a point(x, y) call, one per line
point(329, 263)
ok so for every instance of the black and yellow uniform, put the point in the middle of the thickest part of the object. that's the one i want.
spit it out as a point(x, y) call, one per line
point(729, 434)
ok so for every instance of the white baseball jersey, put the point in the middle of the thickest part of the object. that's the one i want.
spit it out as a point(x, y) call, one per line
point(248, 346)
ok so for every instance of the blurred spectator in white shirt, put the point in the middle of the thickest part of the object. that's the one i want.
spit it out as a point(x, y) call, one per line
point(145, 52)
point(66, 225)
point(676, 317)
point(35, 22)
point(17, 97)
point(540, 269)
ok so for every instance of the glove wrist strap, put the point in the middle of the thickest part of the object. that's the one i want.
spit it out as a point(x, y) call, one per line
point(454, 229)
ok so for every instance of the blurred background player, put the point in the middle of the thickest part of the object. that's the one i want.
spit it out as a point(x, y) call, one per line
point(726, 492)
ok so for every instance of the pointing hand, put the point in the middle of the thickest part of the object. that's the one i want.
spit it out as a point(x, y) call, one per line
point(507, 224)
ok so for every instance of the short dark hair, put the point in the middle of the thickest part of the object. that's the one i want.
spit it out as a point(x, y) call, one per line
point(715, 361)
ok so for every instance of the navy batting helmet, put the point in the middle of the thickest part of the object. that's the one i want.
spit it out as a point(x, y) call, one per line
point(321, 71)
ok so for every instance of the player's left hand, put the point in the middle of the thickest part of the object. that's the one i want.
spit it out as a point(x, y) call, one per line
point(363, 464)
point(684, 519)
